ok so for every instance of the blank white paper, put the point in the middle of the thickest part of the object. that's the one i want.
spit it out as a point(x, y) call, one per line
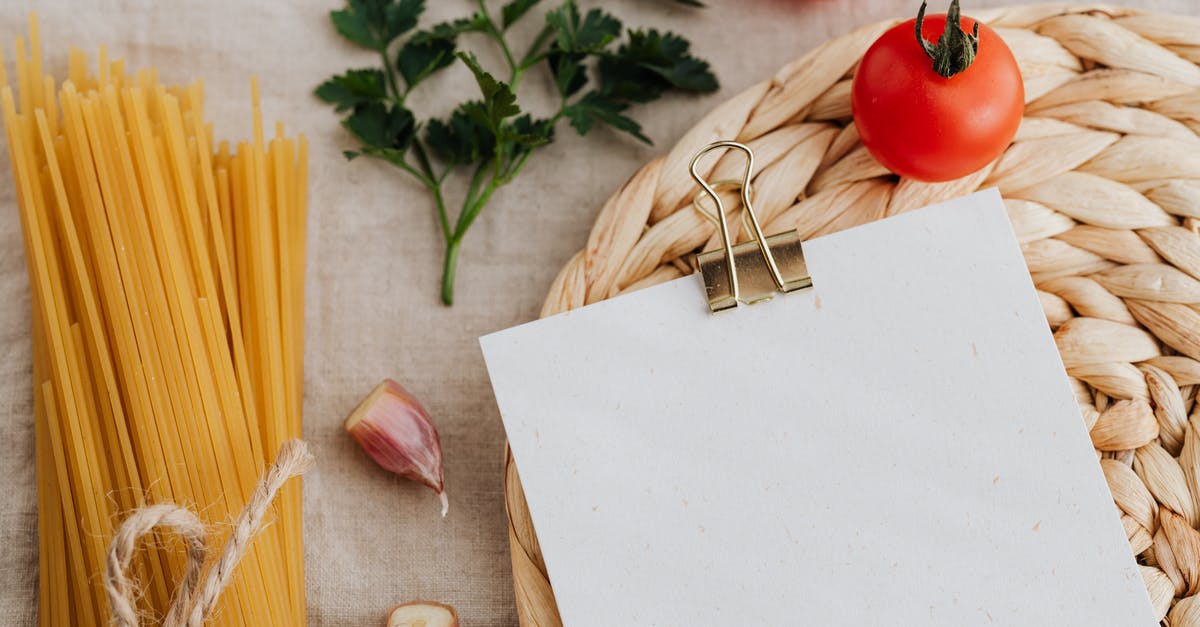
point(896, 446)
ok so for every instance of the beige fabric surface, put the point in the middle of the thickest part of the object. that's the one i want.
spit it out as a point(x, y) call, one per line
point(374, 268)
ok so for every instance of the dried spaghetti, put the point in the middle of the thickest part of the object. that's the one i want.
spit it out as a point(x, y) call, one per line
point(167, 282)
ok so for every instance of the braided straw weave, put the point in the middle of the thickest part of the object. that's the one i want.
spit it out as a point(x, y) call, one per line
point(1102, 185)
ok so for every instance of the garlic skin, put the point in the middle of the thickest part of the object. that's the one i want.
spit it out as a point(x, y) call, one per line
point(395, 430)
point(423, 614)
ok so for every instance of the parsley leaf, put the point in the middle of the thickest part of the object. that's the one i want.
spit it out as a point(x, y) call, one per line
point(592, 33)
point(418, 59)
point(650, 64)
point(514, 10)
point(570, 75)
point(594, 107)
point(385, 130)
point(529, 132)
point(499, 101)
point(430, 50)
point(519, 138)
point(477, 23)
point(461, 139)
point(353, 88)
point(355, 25)
point(375, 24)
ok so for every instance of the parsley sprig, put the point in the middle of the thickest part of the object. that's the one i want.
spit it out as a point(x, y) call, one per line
point(595, 73)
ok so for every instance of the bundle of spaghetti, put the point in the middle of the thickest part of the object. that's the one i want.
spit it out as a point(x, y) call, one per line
point(166, 277)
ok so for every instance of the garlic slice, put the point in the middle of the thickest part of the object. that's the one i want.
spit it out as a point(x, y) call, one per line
point(423, 614)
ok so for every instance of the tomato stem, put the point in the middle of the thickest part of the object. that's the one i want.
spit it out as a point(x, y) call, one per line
point(955, 50)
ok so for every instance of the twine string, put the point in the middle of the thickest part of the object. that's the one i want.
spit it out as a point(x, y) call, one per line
point(121, 591)
point(194, 600)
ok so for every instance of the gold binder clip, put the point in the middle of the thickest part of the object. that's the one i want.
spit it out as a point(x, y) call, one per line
point(752, 271)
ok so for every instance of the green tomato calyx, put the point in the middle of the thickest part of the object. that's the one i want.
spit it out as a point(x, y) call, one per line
point(955, 50)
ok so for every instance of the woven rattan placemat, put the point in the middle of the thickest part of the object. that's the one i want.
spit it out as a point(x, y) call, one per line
point(1102, 184)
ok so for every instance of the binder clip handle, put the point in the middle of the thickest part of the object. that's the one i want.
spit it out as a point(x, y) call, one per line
point(720, 268)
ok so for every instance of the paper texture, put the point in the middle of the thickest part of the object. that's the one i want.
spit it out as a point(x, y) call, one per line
point(897, 446)
point(374, 540)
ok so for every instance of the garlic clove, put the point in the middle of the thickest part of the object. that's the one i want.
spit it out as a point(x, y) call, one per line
point(395, 431)
point(423, 614)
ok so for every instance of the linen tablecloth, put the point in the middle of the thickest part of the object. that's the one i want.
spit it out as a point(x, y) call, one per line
point(375, 258)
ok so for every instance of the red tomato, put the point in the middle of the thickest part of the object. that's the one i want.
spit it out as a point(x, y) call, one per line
point(922, 125)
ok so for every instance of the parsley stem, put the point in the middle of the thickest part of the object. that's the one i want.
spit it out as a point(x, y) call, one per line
point(499, 37)
point(470, 213)
point(535, 52)
point(449, 265)
point(534, 60)
point(430, 181)
point(514, 168)
point(426, 181)
point(391, 74)
point(472, 192)
point(443, 219)
point(423, 160)
point(471, 210)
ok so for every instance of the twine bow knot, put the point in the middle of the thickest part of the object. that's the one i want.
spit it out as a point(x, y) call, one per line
point(194, 600)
